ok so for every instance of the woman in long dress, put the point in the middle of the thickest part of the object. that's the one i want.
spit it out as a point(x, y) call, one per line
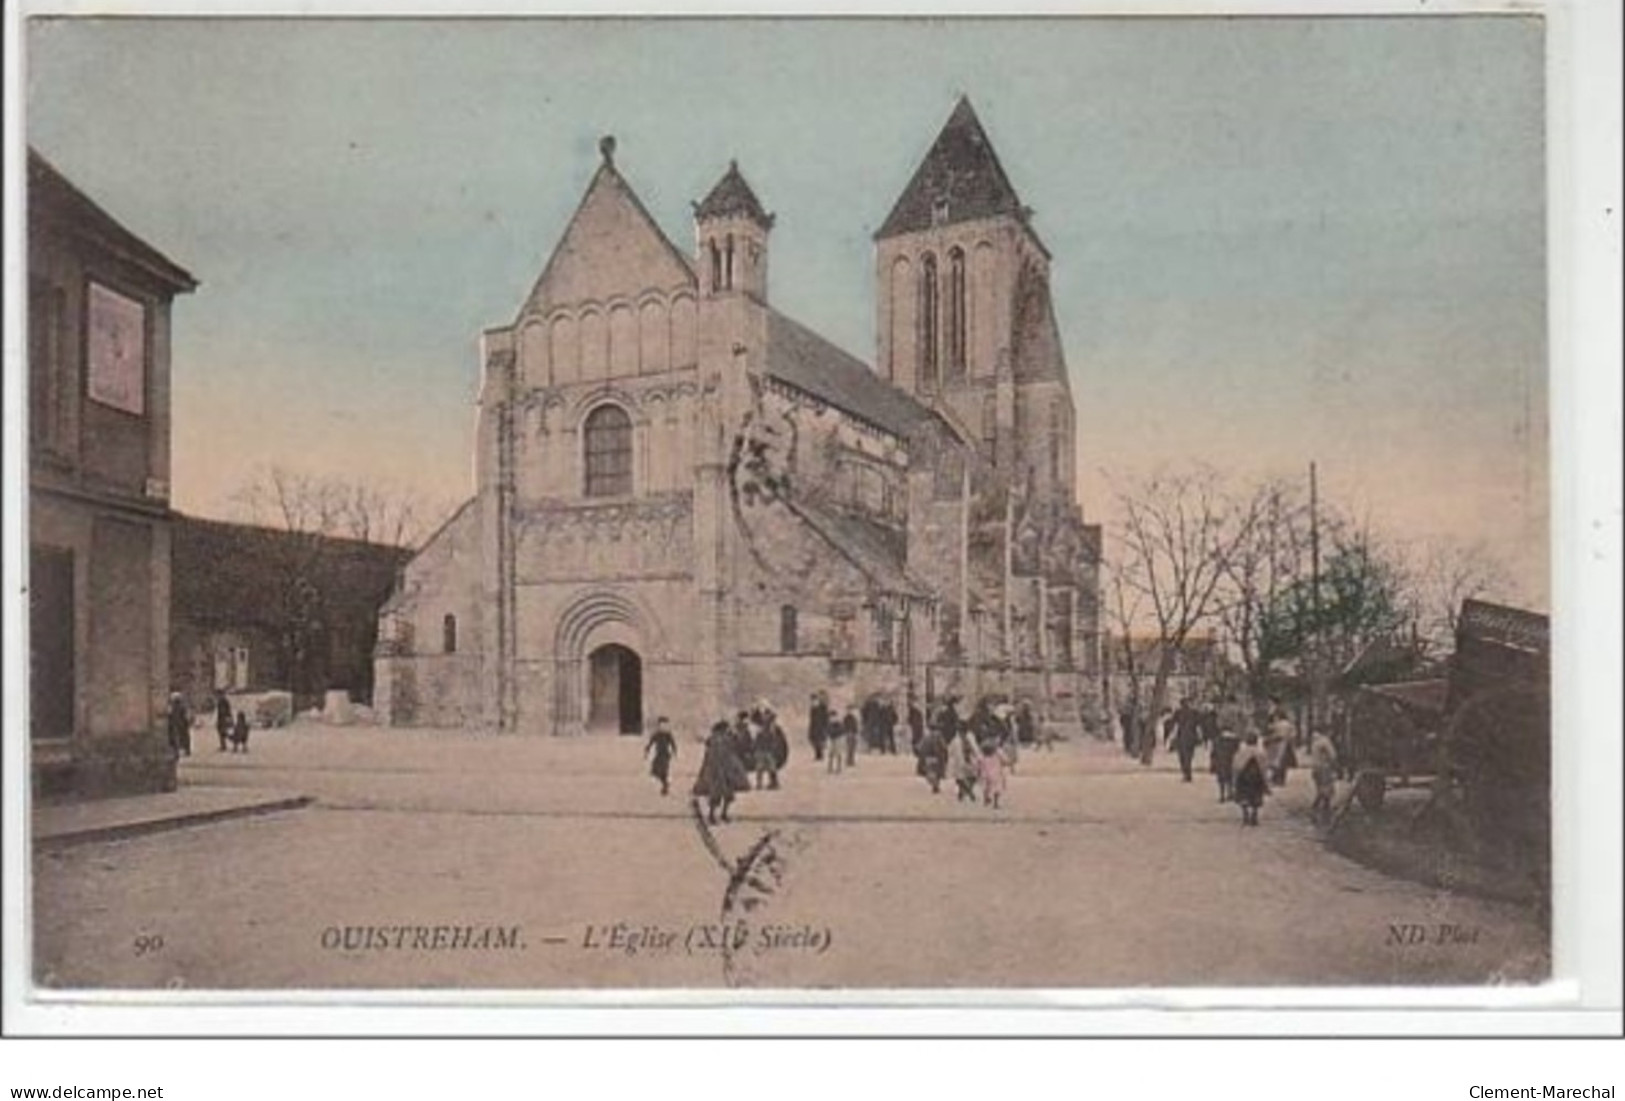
point(722, 774)
point(967, 766)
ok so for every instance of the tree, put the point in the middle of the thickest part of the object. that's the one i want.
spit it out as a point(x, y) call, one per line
point(1268, 559)
point(1445, 573)
point(333, 506)
point(1175, 535)
point(313, 510)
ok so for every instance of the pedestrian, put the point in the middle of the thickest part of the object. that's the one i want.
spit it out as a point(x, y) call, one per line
point(887, 716)
point(849, 732)
point(772, 749)
point(722, 774)
point(1323, 770)
point(991, 772)
point(1126, 718)
point(1231, 723)
point(222, 718)
point(1026, 728)
point(916, 723)
point(931, 759)
point(818, 724)
point(180, 726)
point(1278, 737)
point(1251, 782)
point(966, 765)
point(1004, 732)
point(239, 733)
point(1184, 730)
point(869, 724)
point(661, 749)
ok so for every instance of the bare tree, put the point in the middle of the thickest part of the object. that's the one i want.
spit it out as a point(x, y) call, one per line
point(1268, 558)
point(1174, 537)
point(1443, 574)
point(333, 506)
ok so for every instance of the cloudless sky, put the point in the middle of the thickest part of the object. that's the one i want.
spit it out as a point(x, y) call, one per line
point(1275, 240)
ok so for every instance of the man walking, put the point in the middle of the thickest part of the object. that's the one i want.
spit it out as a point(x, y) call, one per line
point(1184, 732)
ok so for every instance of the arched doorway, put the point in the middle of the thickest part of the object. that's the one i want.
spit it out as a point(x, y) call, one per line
point(614, 690)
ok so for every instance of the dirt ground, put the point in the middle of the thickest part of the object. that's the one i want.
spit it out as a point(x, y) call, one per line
point(449, 859)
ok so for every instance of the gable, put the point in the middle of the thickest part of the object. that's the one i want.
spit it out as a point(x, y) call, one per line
point(612, 248)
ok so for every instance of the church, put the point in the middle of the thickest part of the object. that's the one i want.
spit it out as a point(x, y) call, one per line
point(686, 501)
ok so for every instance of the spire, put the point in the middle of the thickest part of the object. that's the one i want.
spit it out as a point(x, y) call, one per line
point(732, 196)
point(960, 179)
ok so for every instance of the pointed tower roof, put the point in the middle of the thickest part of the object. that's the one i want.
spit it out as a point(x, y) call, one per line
point(959, 180)
point(733, 196)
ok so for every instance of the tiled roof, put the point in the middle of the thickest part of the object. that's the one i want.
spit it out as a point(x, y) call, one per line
point(962, 173)
point(733, 196)
point(801, 358)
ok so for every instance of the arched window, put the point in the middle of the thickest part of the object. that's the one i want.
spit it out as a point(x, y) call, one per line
point(728, 264)
point(956, 314)
point(990, 421)
point(609, 452)
point(787, 629)
point(716, 267)
point(448, 634)
point(928, 322)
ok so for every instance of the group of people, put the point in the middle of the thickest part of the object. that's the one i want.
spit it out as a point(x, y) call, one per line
point(233, 729)
point(977, 752)
point(1249, 753)
point(753, 743)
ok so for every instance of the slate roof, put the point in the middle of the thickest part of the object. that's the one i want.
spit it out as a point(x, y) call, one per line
point(52, 197)
point(801, 358)
point(226, 573)
point(962, 168)
point(875, 550)
point(732, 196)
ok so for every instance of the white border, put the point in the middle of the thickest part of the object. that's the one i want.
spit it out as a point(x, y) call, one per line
point(1583, 217)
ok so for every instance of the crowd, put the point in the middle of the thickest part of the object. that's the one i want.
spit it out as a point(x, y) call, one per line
point(1250, 751)
point(751, 750)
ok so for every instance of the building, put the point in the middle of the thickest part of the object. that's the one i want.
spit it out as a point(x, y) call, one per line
point(686, 500)
point(1196, 669)
point(98, 520)
point(257, 609)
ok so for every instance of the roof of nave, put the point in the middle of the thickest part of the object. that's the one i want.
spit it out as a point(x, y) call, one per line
point(876, 551)
point(961, 170)
point(733, 196)
point(801, 358)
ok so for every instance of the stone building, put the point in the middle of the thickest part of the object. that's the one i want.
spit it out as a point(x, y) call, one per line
point(686, 500)
point(98, 510)
point(256, 609)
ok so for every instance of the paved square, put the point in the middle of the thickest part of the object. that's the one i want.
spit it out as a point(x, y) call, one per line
point(438, 859)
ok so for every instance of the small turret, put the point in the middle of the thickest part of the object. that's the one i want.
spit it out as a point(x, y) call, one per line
point(731, 228)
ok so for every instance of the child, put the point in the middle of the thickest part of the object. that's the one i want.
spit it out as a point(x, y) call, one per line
point(239, 734)
point(1323, 770)
point(932, 757)
point(722, 774)
point(1251, 783)
point(992, 770)
point(664, 748)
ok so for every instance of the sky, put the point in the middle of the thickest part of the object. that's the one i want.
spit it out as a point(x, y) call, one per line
point(1275, 241)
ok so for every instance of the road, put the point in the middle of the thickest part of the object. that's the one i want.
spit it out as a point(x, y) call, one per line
point(447, 859)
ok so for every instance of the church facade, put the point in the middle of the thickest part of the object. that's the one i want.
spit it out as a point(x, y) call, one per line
point(686, 501)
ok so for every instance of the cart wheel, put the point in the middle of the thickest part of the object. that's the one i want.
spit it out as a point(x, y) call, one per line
point(1369, 789)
